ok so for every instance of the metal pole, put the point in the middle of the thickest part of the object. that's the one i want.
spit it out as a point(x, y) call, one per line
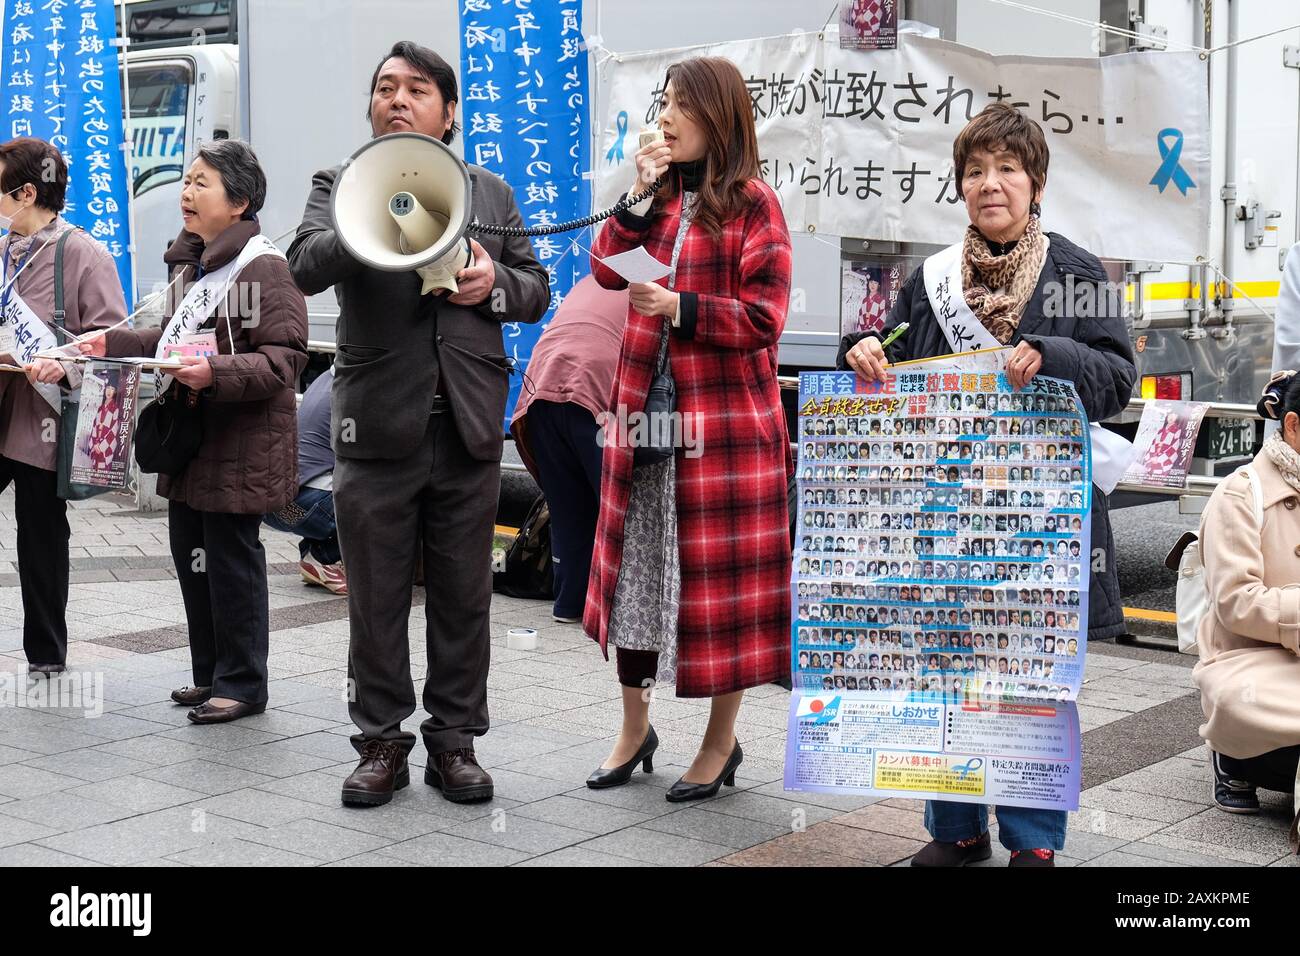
point(242, 17)
point(1226, 302)
point(129, 152)
point(594, 112)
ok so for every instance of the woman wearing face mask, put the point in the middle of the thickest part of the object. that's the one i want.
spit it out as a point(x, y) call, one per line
point(706, 538)
point(1005, 267)
point(247, 463)
point(30, 203)
point(1248, 643)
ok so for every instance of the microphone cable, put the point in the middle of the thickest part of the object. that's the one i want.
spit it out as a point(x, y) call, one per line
point(627, 202)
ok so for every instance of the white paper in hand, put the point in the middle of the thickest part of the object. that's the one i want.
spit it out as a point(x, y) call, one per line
point(637, 265)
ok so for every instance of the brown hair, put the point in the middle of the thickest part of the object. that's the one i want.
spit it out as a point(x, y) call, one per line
point(1002, 126)
point(712, 93)
point(28, 160)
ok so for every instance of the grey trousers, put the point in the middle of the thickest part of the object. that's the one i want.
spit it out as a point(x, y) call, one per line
point(384, 508)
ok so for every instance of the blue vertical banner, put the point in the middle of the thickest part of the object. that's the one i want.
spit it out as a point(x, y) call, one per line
point(525, 93)
point(59, 82)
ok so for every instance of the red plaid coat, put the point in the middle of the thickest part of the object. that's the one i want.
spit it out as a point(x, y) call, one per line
point(733, 627)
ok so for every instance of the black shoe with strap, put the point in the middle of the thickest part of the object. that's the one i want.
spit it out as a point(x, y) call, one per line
point(939, 853)
point(1230, 794)
point(603, 777)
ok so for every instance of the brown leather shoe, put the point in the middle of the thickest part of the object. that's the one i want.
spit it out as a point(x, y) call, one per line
point(457, 774)
point(382, 771)
point(192, 696)
point(209, 713)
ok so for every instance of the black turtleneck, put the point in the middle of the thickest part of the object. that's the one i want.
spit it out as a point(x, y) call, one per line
point(1000, 248)
point(692, 174)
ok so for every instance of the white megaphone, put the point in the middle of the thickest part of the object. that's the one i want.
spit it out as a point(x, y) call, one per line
point(402, 203)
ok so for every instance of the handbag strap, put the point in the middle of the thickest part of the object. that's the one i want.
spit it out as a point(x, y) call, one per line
point(687, 215)
point(59, 312)
point(661, 360)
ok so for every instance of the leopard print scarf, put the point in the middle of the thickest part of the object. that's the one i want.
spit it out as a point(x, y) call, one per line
point(983, 273)
point(1285, 458)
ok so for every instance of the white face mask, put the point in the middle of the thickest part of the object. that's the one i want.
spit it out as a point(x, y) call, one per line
point(7, 222)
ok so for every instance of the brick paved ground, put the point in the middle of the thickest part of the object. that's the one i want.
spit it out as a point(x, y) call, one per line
point(139, 784)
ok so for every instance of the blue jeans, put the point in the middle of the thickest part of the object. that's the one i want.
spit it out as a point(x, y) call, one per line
point(311, 517)
point(1019, 828)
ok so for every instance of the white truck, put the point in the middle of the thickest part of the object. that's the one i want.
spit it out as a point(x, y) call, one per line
point(291, 77)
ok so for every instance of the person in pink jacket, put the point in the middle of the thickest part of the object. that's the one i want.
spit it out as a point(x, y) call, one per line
point(1249, 673)
point(556, 427)
point(33, 185)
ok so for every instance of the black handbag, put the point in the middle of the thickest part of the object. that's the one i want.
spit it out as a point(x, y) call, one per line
point(660, 436)
point(169, 432)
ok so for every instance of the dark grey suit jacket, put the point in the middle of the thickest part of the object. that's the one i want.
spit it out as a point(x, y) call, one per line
point(397, 348)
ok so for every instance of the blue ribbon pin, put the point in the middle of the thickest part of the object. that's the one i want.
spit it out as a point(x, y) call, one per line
point(1170, 168)
point(615, 154)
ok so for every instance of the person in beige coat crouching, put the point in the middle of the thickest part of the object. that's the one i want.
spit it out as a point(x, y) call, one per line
point(1249, 671)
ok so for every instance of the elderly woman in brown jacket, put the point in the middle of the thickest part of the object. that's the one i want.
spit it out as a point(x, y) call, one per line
point(1249, 673)
point(30, 203)
point(247, 463)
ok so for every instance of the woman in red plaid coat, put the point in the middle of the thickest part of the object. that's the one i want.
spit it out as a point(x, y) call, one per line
point(690, 579)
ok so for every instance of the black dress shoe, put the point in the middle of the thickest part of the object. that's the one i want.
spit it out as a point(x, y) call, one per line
point(192, 696)
point(382, 771)
point(603, 777)
point(210, 713)
point(46, 670)
point(1039, 858)
point(682, 791)
point(457, 774)
point(939, 853)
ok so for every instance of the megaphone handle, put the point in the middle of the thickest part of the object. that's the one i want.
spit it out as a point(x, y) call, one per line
point(627, 202)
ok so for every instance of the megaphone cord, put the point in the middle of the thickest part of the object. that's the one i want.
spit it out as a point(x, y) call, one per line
point(627, 202)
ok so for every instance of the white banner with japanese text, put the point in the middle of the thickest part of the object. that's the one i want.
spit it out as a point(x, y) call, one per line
point(859, 142)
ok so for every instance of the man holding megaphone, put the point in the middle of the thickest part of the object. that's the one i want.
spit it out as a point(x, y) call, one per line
point(421, 378)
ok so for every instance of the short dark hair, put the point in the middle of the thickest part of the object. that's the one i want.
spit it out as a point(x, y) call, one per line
point(1002, 126)
point(430, 66)
point(34, 161)
point(241, 174)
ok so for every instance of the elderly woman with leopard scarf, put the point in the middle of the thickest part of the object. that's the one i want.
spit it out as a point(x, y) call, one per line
point(1015, 279)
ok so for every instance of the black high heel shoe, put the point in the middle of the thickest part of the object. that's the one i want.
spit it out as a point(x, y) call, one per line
point(682, 791)
point(603, 777)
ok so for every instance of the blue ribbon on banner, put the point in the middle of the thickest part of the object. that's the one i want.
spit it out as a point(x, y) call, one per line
point(59, 78)
point(526, 98)
point(615, 154)
point(969, 767)
point(1170, 168)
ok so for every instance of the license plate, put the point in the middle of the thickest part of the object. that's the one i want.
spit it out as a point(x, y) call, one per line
point(1231, 437)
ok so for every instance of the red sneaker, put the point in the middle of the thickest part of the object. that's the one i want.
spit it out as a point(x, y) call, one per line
point(329, 576)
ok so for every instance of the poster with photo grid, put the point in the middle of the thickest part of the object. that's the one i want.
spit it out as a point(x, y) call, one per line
point(940, 587)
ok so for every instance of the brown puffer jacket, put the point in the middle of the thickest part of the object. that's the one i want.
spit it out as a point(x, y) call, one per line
point(248, 460)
